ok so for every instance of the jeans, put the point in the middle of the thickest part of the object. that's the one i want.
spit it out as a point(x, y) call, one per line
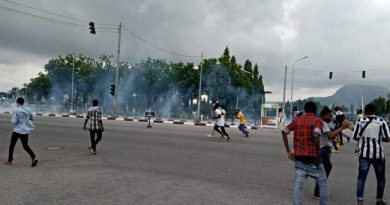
point(24, 138)
point(94, 141)
point(325, 153)
point(302, 171)
point(379, 167)
point(242, 127)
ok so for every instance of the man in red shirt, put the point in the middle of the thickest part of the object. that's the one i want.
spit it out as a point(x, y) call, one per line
point(307, 130)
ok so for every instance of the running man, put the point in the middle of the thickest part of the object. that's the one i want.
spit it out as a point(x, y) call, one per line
point(242, 119)
point(21, 119)
point(220, 123)
point(95, 126)
point(370, 132)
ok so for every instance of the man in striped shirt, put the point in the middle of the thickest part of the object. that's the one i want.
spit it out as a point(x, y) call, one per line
point(95, 126)
point(370, 132)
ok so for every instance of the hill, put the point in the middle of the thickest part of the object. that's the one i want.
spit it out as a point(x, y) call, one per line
point(352, 94)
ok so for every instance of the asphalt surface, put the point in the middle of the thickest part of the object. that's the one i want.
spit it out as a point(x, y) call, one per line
point(166, 164)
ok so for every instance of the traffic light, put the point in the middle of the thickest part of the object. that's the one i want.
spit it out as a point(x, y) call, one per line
point(330, 75)
point(112, 92)
point(364, 74)
point(92, 27)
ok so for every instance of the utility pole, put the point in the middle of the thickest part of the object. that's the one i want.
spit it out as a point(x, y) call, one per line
point(115, 101)
point(200, 87)
point(71, 101)
point(284, 89)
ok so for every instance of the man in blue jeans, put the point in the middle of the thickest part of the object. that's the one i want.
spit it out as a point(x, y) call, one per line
point(307, 130)
point(370, 132)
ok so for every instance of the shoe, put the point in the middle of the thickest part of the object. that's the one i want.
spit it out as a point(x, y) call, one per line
point(91, 150)
point(209, 136)
point(222, 136)
point(341, 143)
point(246, 134)
point(228, 138)
point(34, 162)
point(8, 163)
point(380, 202)
point(316, 197)
point(94, 152)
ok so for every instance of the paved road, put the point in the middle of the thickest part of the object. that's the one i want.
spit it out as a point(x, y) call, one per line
point(167, 164)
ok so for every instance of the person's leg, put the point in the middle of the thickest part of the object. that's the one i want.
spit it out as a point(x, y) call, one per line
point(24, 139)
point(99, 137)
point(318, 173)
point(224, 131)
point(300, 178)
point(241, 127)
point(14, 139)
point(334, 142)
point(380, 173)
point(216, 128)
point(364, 167)
point(92, 136)
point(341, 138)
point(325, 154)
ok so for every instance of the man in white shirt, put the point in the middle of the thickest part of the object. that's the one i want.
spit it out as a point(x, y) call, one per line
point(220, 121)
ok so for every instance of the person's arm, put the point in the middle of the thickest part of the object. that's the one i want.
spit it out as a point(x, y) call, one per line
point(317, 131)
point(335, 133)
point(100, 121)
point(85, 124)
point(316, 140)
point(285, 132)
point(290, 154)
point(356, 131)
point(385, 133)
point(14, 119)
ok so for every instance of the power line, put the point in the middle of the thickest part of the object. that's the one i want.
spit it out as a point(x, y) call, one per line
point(53, 13)
point(157, 47)
point(83, 27)
point(61, 22)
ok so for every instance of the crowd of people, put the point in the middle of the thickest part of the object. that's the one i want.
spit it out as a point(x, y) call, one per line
point(314, 138)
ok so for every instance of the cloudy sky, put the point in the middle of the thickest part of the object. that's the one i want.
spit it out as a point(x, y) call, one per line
point(345, 37)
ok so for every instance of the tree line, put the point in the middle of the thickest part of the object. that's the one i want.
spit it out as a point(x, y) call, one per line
point(168, 88)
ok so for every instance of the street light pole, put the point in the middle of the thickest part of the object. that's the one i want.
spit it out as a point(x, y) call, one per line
point(71, 101)
point(200, 87)
point(292, 83)
point(284, 89)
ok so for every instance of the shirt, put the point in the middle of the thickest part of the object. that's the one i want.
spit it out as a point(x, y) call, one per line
point(370, 140)
point(95, 115)
point(21, 120)
point(220, 112)
point(304, 127)
point(324, 138)
point(241, 117)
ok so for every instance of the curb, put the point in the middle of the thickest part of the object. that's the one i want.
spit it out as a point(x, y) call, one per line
point(161, 121)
